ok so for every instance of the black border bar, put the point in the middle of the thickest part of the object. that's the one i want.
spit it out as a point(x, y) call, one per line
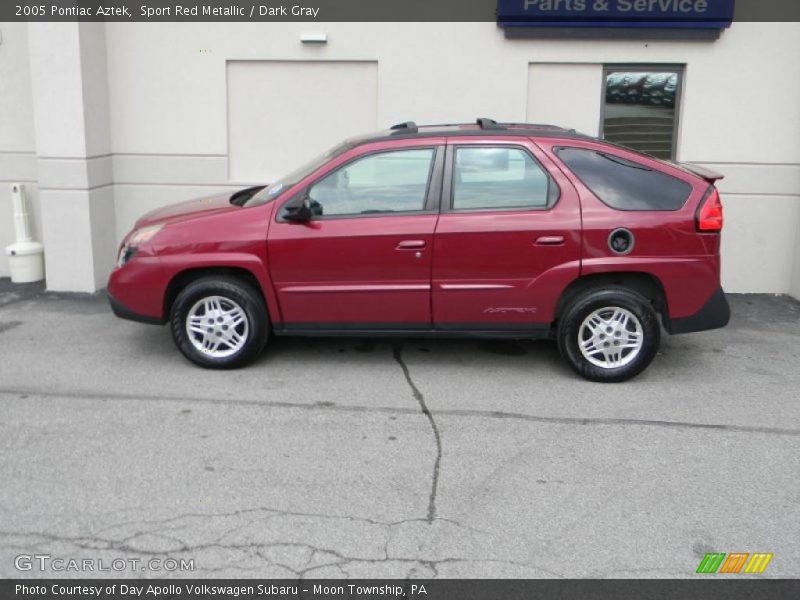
point(701, 588)
point(321, 11)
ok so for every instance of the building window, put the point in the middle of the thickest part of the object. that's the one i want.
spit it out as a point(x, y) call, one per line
point(640, 108)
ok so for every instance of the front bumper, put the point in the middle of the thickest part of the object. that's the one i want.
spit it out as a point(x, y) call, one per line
point(136, 290)
point(123, 312)
point(714, 314)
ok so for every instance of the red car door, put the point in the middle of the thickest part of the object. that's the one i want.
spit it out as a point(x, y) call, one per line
point(364, 259)
point(508, 239)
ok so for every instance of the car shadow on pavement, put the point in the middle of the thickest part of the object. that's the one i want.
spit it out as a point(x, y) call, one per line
point(157, 343)
point(442, 351)
point(449, 354)
point(685, 355)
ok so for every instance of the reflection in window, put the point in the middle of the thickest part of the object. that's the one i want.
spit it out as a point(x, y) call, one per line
point(624, 184)
point(395, 181)
point(641, 110)
point(499, 178)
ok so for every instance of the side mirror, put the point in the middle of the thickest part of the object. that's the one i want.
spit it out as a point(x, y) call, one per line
point(298, 212)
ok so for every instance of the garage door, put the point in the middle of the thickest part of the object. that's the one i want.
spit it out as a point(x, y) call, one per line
point(283, 113)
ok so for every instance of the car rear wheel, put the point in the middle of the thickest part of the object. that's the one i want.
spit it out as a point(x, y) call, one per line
point(609, 334)
point(219, 322)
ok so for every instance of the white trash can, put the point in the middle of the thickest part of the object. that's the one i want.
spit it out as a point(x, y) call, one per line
point(26, 261)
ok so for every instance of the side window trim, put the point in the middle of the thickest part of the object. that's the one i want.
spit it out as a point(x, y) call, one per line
point(446, 199)
point(448, 187)
point(432, 190)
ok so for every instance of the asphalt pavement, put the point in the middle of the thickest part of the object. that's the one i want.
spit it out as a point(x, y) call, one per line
point(391, 458)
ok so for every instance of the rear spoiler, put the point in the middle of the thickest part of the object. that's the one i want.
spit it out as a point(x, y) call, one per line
point(707, 174)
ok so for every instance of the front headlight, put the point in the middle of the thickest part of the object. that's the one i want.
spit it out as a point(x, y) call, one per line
point(137, 238)
point(125, 254)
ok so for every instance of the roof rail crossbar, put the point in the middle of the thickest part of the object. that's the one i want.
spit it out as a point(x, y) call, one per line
point(407, 127)
point(486, 123)
point(540, 125)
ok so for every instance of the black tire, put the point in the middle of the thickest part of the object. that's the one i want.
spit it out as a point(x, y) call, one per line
point(584, 305)
point(230, 289)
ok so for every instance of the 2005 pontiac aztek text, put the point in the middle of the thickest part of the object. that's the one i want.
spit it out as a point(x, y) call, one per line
point(485, 229)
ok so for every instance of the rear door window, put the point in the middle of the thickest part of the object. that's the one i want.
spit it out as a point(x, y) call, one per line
point(624, 184)
point(491, 177)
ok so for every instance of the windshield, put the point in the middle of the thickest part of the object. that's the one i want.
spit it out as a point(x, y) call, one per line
point(276, 187)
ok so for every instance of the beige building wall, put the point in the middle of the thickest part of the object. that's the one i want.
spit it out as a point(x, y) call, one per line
point(17, 136)
point(178, 113)
point(794, 290)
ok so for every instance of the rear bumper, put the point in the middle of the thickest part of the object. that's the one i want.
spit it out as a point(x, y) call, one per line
point(123, 312)
point(714, 314)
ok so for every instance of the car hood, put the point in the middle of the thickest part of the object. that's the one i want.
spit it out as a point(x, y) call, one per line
point(190, 209)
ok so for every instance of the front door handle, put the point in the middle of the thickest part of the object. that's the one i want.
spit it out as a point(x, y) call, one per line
point(411, 245)
point(550, 240)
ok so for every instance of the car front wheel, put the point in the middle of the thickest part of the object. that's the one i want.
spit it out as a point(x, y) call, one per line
point(219, 322)
point(609, 334)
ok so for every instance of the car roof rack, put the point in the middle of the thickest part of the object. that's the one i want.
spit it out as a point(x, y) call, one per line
point(537, 126)
point(407, 127)
point(484, 123)
point(487, 123)
point(480, 126)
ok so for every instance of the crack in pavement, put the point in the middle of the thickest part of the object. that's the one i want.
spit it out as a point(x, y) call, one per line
point(318, 556)
point(7, 325)
point(397, 352)
point(452, 412)
point(270, 513)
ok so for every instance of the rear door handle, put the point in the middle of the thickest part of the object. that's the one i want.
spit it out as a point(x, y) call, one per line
point(550, 240)
point(411, 245)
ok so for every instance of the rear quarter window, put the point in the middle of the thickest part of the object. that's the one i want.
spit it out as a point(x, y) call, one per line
point(624, 184)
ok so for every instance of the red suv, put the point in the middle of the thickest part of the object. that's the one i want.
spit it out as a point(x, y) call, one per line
point(480, 230)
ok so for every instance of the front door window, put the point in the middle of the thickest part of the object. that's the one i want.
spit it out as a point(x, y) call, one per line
point(389, 182)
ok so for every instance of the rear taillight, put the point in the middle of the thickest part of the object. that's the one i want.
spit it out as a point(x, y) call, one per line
point(709, 217)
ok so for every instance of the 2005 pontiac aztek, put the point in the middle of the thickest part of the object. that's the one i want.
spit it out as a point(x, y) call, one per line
point(485, 229)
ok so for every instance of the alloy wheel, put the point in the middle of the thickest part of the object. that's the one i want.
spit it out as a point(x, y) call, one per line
point(217, 326)
point(610, 337)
